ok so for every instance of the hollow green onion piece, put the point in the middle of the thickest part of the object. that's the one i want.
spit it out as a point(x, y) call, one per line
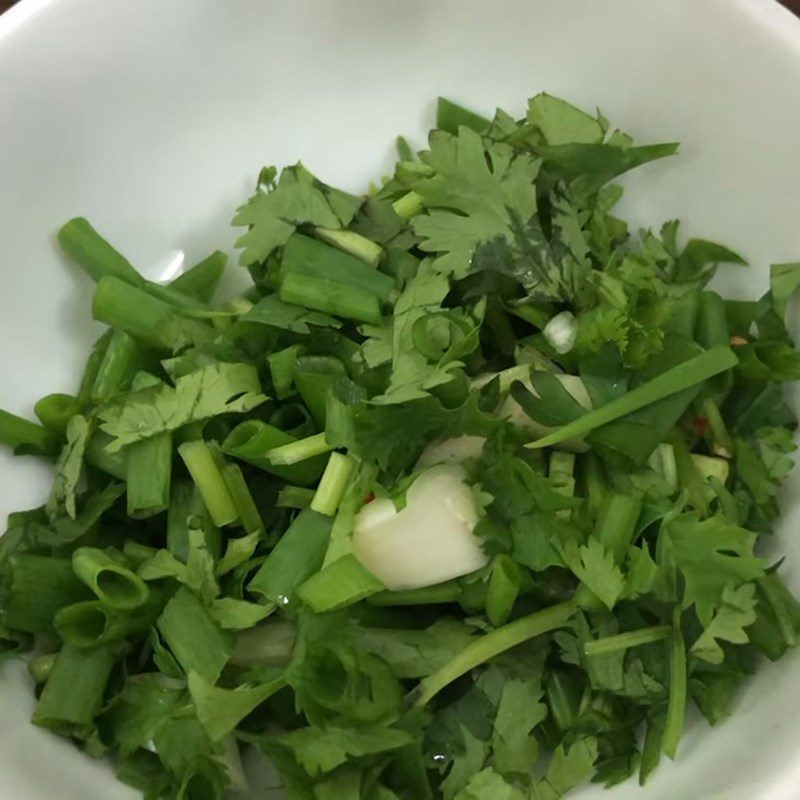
point(616, 523)
point(197, 641)
point(27, 436)
point(146, 318)
point(721, 443)
point(623, 641)
point(109, 578)
point(353, 243)
point(270, 644)
point(340, 584)
point(322, 294)
point(98, 455)
point(298, 451)
point(504, 586)
point(92, 623)
point(712, 323)
point(120, 363)
point(408, 205)
point(298, 554)
point(55, 411)
point(447, 592)
point(204, 467)
point(676, 708)
point(149, 475)
point(294, 497)
point(651, 748)
point(491, 644)
point(74, 691)
point(308, 258)
point(201, 281)
point(253, 440)
point(333, 484)
point(245, 505)
point(684, 376)
point(40, 668)
point(137, 553)
point(87, 248)
point(38, 587)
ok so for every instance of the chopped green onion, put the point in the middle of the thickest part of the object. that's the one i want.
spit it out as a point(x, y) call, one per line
point(74, 691)
point(98, 455)
point(298, 554)
point(616, 523)
point(26, 436)
point(91, 623)
point(267, 645)
point(149, 475)
point(253, 441)
point(200, 281)
point(684, 376)
point(321, 294)
point(109, 578)
point(204, 467)
point(121, 361)
point(198, 642)
point(38, 587)
point(504, 586)
point(339, 584)
point(298, 451)
point(41, 667)
point(447, 592)
point(55, 411)
point(407, 206)
point(87, 248)
point(333, 484)
point(246, 508)
point(294, 497)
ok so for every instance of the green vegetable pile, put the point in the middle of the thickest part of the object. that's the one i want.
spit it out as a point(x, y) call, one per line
point(192, 585)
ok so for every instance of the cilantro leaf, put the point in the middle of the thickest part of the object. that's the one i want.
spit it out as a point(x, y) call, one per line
point(736, 612)
point(298, 198)
point(69, 468)
point(595, 568)
point(272, 311)
point(471, 197)
point(711, 554)
point(220, 388)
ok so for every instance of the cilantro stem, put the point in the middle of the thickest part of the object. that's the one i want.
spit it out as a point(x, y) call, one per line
point(353, 243)
point(18, 432)
point(503, 589)
point(333, 484)
point(407, 206)
point(623, 641)
point(294, 497)
point(676, 709)
point(684, 376)
point(486, 647)
point(300, 450)
point(616, 523)
point(206, 471)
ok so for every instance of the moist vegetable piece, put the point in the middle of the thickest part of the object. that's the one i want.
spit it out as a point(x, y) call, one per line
point(461, 500)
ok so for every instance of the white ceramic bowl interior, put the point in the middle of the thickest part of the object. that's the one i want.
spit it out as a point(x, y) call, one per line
point(152, 119)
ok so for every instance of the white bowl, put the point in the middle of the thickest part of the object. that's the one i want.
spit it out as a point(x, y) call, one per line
point(152, 119)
